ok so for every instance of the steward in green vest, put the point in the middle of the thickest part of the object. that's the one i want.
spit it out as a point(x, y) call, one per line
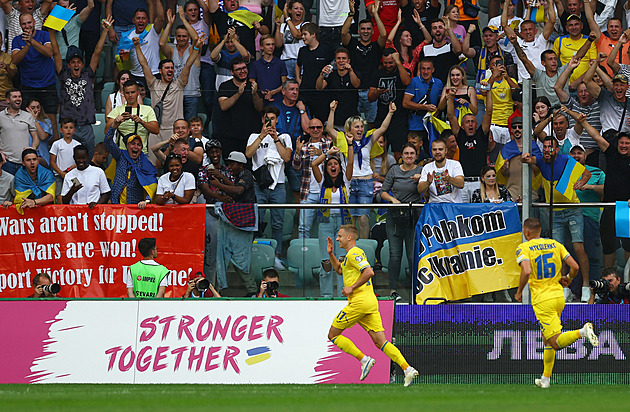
point(148, 278)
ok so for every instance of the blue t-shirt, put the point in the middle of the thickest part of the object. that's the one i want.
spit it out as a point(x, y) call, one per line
point(268, 75)
point(418, 89)
point(289, 121)
point(36, 70)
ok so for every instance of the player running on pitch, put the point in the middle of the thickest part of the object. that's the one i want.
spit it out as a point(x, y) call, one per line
point(362, 305)
point(541, 265)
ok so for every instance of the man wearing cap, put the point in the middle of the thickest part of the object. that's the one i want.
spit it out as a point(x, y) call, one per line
point(503, 21)
point(592, 192)
point(570, 44)
point(16, 126)
point(473, 141)
point(77, 87)
point(613, 105)
point(237, 222)
point(34, 184)
point(136, 178)
point(211, 195)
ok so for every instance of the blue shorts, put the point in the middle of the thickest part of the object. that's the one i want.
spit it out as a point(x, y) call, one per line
point(361, 191)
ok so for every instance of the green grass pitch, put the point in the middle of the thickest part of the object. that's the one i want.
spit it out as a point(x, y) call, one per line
point(298, 398)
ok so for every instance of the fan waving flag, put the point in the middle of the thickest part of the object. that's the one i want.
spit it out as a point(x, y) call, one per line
point(58, 18)
point(508, 151)
point(537, 14)
point(566, 171)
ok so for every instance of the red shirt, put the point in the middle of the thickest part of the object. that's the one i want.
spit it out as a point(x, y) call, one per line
point(388, 12)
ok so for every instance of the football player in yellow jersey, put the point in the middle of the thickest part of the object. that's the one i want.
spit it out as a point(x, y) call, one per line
point(362, 305)
point(541, 263)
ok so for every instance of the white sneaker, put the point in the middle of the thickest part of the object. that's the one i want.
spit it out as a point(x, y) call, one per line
point(278, 265)
point(588, 333)
point(542, 383)
point(365, 368)
point(586, 294)
point(568, 295)
point(410, 375)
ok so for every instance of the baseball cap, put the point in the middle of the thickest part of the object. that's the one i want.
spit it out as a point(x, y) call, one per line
point(74, 51)
point(620, 77)
point(577, 146)
point(492, 28)
point(237, 157)
point(517, 120)
point(213, 143)
point(517, 95)
point(573, 17)
point(131, 137)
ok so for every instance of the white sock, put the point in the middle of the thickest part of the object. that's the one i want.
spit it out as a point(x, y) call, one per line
point(582, 331)
point(365, 359)
point(409, 369)
point(544, 379)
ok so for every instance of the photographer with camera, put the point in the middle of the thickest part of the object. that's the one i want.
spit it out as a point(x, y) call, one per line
point(609, 288)
point(44, 288)
point(269, 285)
point(200, 287)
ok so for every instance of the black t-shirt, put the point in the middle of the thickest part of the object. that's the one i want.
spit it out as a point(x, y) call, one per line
point(312, 62)
point(473, 151)
point(242, 119)
point(427, 16)
point(341, 89)
point(443, 59)
point(247, 36)
point(396, 92)
point(245, 179)
point(364, 59)
point(617, 185)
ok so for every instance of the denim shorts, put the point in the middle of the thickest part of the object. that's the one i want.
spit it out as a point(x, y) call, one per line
point(361, 191)
point(573, 219)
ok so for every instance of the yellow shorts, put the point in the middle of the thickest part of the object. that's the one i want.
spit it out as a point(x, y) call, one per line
point(548, 313)
point(348, 317)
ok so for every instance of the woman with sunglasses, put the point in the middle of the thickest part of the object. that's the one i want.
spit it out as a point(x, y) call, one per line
point(175, 187)
point(490, 191)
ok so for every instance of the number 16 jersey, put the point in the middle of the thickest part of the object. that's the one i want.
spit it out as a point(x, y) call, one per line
point(546, 257)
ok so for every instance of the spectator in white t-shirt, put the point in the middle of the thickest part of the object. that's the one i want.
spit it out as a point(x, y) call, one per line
point(85, 184)
point(175, 187)
point(62, 154)
point(289, 36)
point(442, 179)
point(269, 150)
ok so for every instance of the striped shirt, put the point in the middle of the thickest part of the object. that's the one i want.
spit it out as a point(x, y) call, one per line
point(302, 161)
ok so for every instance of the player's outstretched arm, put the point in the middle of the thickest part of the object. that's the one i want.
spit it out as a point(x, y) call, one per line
point(333, 259)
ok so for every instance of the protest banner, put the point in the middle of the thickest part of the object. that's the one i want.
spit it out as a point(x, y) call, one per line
point(463, 250)
point(89, 251)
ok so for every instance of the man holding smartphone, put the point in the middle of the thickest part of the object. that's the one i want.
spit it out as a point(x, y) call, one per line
point(501, 86)
point(85, 184)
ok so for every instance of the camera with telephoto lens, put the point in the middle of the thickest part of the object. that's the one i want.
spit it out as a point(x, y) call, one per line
point(600, 286)
point(272, 287)
point(52, 288)
point(202, 285)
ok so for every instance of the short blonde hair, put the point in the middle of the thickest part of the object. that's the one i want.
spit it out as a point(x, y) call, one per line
point(351, 120)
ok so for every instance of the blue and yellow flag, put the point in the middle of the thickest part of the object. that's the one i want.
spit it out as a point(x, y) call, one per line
point(465, 249)
point(434, 126)
point(342, 144)
point(245, 16)
point(566, 171)
point(622, 218)
point(25, 186)
point(58, 18)
point(510, 150)
point(537, 14)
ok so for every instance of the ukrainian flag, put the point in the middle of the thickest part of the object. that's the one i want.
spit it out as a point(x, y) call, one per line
point(58, 18)
point(566, 171)
point(434, 126)
point(342, 144)
point(537, 15)
point(25, 186)
point(510, 150)
point(245, 16)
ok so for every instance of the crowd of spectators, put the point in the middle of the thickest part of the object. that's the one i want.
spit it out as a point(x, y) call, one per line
point(413, 103)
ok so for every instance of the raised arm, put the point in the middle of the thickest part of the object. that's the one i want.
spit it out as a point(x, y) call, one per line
point(191, 31)
point(450, 110)
point(215, 54)
point(381, 130)
point(456, 45)
point(330, 124)
point(551, 21)
point(593, 88)
point(586, 46)
point(240, 48)
point(563, 95)
point(6, 6)
point(207, 18)
point(165, 49)
point(382, 31)
point(194, 54)
point(427, 36)
point(148, 75)
point(601, 142)
point(487, 117)
point(590, 18)
point(612, 61)
point(83, 15)
point(158, 23)
point(106, 23)
point(345, 29)
point(55, 48)
point(394, 30)
point(529, 66)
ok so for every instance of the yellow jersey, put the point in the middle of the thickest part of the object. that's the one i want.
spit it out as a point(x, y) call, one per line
point(546, 257)
point(565, 49)
point(352, 267)
point(502, 104)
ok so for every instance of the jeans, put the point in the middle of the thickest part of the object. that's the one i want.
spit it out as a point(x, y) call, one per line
point(277, 195)
point(398, 230)
point(190, 106)
point(210, 247)
point(367, 107)
point(236, 246)
point(207, 78)
point(593, 247)
point(11, 167)
point(571, 219)
point(85, 135)
point(361, 191)
point(327, 279)
point(290, 63)
point(307, 216)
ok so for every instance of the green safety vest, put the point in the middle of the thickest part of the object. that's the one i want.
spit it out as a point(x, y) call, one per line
point(147, 278)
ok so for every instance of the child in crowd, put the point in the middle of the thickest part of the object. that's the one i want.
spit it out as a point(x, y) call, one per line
point(62, 154)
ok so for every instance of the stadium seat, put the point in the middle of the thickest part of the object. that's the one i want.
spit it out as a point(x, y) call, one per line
point(369, 247)
point(204, 117)
point(99, 128)
point(404, 265)
point(262, 258)
point(269, 242)
point(304, 261)
point(108, 88)
point(287, 226)
point(309, 241)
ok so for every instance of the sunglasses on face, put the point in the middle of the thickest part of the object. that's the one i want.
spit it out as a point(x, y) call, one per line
point(517, 126)
point(315, 127)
